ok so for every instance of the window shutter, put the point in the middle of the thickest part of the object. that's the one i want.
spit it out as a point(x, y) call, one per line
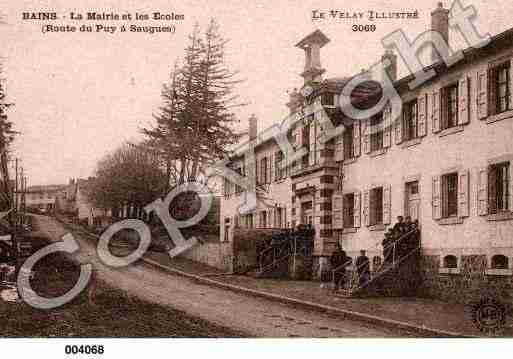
point(463, 193)
point(510, 189)
point(387, 204)
point(339, 148)
point(387, 130)
point(356, 139)
point(337, 213)
point(482, 192)
point(482, 94)
point(510, 94)
point(463, 98)
point(357, 209)
point(269, 163)
point(271, 168)
point(422, 115)
point(313, 146)
point(436, 198)
point(436, 111)
point(398, 125)
point(366, 136)
point(366, 206)
point(299, 137)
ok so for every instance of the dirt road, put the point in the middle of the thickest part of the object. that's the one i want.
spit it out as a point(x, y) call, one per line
point(255, 316)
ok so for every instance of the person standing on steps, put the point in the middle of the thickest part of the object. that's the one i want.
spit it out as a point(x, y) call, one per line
point(338, 261)
point(363, 268)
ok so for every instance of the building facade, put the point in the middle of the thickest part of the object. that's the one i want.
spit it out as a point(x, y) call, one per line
point(446, 161)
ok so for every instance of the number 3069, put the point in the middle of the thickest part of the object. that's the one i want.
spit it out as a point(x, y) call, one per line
point(364, 28)
point(84, 349)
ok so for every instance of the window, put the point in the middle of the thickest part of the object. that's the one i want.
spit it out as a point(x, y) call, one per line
point(498, 187)
point(238, 189)
point(279, 172)
point(500, 88)
point(348, 206)
point(410, 120)
point(263, 219)
point(376, 136)
point(248, 220)
point(348, 142)
point(449, 106)
point(263, 171)
point(450, 261)
point(500, 262)
point(376, 206)
point(278, 219)
point(450, 195)
point(328, 99)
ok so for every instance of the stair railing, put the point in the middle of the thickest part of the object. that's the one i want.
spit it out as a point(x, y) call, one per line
point(280, 252)
point(396, 260)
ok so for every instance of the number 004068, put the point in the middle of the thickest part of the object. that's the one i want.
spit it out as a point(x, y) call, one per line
point(84, 349)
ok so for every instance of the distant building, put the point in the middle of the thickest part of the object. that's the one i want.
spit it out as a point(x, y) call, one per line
point(42, 198)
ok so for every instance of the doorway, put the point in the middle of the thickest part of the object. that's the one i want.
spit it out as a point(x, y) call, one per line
point(412, 205)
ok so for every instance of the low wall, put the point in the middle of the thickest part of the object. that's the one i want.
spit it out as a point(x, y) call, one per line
point(471, 284)
point(213, 253)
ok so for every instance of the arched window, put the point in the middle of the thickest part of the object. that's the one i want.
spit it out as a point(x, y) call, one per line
point(376, 262)
point(450, 261)
point(500, 261)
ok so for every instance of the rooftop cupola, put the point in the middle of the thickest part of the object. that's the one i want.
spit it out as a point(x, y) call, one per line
point(312, 45)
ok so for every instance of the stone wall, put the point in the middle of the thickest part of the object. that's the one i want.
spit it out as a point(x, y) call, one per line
point(213, 253)
point(471, 284)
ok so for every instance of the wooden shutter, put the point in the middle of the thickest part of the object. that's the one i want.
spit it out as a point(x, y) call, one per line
point(463, 101)
point(482, 94)
point(271, 168)
point(510, 96)
point(356, 139)
point(339, 148)
point(299, 137)
point(463, 193)
point(387, 204)
point(387, 124)
point(313, 146)
point(492, 190)
point(366, 207)
point(422, 115)
point(482, 191)
point(337, 213)
point(510, 179)
point(366, 136)
point(436, 197)
point(357, 209)
point(398, 126)
point(436, 111)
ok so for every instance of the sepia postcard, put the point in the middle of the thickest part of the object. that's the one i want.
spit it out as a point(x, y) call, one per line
point(228, 169)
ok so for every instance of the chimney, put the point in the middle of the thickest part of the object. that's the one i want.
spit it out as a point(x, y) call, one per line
point(253, 127)
point(391, 69)
point(440, 24)
point(312, 45)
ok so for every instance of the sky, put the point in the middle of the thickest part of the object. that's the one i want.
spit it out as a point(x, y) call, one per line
point(78, 96)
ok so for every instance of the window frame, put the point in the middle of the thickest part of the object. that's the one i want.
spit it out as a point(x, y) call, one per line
point(495, 86)
point(447, 201)
point(348, 142)
point(494, 207)
point(375, 210)
point(410, 120)
point(449, 117)
point(376, 137)
point(348, 211)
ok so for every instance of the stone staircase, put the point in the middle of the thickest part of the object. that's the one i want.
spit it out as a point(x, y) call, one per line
point(399, 277)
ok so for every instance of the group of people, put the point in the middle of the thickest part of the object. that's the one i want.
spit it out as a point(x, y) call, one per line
point(401, 239)
point(339, 260)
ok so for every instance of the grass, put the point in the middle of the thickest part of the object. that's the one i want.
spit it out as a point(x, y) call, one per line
point(113, 313)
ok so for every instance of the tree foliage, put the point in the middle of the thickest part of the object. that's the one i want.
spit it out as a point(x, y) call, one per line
point(130, 176)
point(194, 124)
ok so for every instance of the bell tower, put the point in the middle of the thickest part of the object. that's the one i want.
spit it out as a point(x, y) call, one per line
point(312, 45)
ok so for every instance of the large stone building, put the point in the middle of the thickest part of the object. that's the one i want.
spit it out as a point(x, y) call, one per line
point(446, 162)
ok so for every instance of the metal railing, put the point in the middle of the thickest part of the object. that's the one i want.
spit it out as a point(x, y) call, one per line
point(354, 283)
point(277, 253)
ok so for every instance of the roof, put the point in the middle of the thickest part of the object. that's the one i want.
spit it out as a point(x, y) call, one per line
point(316, 37)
